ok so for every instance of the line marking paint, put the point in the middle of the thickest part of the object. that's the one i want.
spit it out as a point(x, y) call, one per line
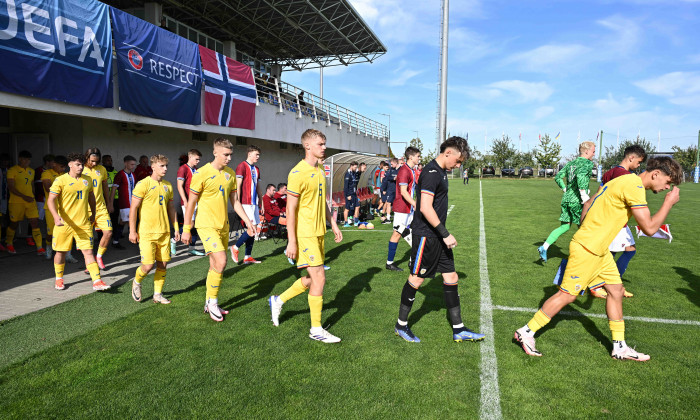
point(592, 315)
point(490, 395)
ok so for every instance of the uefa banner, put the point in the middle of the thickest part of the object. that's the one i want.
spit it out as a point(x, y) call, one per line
point(57, 49)
point(159, 72)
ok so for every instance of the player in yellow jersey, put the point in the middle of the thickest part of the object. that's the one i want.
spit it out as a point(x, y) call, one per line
point(47, 178)
point(103, 202)
point(307, 213)
point(590, 262)
point(20, 183)
point(71, 202)
point(152, 198)
point(213, 186)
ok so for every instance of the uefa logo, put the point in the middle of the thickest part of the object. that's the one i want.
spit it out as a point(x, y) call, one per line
point(135, 59)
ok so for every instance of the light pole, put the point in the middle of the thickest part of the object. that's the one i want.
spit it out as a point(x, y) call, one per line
point(416, 131)
point(388, 115)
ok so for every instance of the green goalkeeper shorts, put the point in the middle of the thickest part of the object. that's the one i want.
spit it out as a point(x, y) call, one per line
point(571, 213)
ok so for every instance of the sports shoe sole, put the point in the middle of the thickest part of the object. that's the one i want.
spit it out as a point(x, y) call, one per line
point(459, 340)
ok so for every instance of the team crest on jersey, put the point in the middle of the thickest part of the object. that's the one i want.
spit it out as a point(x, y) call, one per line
point(165, 188)
point(85, 182)
point(311, 258)
point(422, 270)
point(227, 176)
point(98, 173)
point(578, 287)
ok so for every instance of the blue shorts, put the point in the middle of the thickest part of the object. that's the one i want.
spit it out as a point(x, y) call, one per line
point(390, 198)
point(352, 203)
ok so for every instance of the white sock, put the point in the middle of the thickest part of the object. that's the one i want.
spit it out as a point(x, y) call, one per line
point(214, 301)
point(99, 255)
point(620, 344)
point(315, 330)
point(389, 262)
point(402, 323)
point(545, 246)
point(458, 326)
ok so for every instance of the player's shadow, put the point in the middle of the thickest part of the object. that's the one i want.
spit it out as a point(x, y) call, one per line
point(264, 287)
point(434, 299)
point(345, 298)
point(553, 252)
point(693, 290)
point(404, 258)
point(575, 315)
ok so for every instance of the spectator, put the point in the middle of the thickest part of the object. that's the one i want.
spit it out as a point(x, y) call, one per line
point(301, 98)
point(281, 197)
point(274, 214)
point(124, 183)
point(144, 169)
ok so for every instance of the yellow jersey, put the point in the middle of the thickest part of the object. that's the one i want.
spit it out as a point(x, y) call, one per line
point(308, 183)
point(24, 179)
point(98, 174)
point(51, 175)
point(73, 204)
point(155, 197)
point(610, 211)
point(213, 188)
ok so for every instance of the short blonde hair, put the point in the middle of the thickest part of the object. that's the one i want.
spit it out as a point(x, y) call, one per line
point(311, 133)
point(583, 147)
point(159, 159)
point(223, 142)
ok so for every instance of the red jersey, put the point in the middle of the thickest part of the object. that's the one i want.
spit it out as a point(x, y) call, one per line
point(184, 173)
point(140, 172)
point(613, 173)
point(281, 201)
point(38, 185)
point(272, 208)
point(125, 185)
point(407, 177)
point(418, 171)
point(248, 176)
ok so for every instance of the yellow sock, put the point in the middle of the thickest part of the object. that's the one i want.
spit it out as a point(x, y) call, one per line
point(158, 281)
point(10, 236)
point(38, 240)
point(294, 290)
point(618, 329)
point(315, 308)
point(94, 272)
point(538, 321)
point(213, 283)
point(101, 251)
point(139, 275)
point(58, 269)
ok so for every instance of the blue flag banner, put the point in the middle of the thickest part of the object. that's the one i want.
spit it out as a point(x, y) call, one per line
point(57, 49)
point(160, 75)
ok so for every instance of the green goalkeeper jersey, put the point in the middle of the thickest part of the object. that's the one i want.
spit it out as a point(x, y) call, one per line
point(578, 173)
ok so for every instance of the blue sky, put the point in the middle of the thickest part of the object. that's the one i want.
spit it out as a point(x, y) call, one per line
point(529, 67)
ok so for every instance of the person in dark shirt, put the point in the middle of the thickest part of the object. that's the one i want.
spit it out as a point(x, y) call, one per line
point(432, 243)
point(350, 192)
point(388, 189)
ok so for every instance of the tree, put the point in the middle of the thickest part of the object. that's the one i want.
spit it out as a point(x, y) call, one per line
point(614, 154)
point(503, 152)
point(524, 159)
point(474, 162)
point(417, 144)
point(547, 152)
point(426, 158)
point(686, 157)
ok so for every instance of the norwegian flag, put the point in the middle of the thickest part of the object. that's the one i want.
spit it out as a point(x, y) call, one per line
point(229, 91)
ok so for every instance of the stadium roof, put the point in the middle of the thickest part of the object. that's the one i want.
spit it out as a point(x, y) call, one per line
point(298, 34)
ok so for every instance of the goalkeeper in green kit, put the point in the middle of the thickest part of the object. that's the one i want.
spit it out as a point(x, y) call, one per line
point(578, 173)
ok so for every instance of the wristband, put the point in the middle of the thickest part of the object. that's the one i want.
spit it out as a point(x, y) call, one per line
point(442, 230)
point(186, 228)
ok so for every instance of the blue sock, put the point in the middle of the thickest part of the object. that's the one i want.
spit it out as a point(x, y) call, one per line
point(242, 239)
point(624, 261)
point(194, 240)
point(249, 246)
point(392, 252)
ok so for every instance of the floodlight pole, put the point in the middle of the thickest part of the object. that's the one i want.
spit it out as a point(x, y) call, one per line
point(321, 80)
point(442, 123)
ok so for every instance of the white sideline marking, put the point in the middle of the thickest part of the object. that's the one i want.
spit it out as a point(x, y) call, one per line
point(365, 230)
point(490, 395)
point(591, 315)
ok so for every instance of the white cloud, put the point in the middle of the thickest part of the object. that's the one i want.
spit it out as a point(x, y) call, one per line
point(403, 77)
point(543, 111)
point(610, 105)
point(511, 91)
point(680, 88)
point(548, 58)
point(694, 58)
point(625, 37)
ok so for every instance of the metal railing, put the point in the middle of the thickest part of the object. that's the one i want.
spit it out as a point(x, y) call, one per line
point(289, 98)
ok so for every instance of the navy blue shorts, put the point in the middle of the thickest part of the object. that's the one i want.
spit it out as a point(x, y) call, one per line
point(352, 202)
point(390, 198)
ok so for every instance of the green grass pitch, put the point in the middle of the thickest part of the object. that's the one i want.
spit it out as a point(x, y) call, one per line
point(103, 355)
